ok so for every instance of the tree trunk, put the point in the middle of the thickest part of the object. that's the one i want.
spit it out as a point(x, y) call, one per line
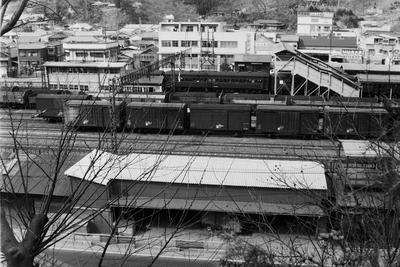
point(21, 254)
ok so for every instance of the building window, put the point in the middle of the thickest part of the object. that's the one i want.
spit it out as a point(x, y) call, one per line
point(81, 54)
point(209, 44)
point(194, 44)
point(67, 53)
point(326, 28)
point(175, 43)
point(165, 43)
point(185, 43)
point(97, 54)
point(84, 88)
point(189, 28)
point(229, 44)
point(22, 54)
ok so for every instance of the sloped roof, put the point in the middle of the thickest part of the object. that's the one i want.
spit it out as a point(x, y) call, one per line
point(101, 167)
point(38, 172)
point(326, 41)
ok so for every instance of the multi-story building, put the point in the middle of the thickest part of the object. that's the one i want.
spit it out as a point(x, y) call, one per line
point(331, 48)
point(314, 23)
point(381, 48)
point(84, 76)
point(90, 48)
point(31, 56)
point(210, 45)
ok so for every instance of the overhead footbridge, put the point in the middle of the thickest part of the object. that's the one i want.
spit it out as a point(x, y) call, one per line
point(311, 76)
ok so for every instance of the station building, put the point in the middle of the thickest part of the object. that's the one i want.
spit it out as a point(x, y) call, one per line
point(91, 77)
point(156, 190)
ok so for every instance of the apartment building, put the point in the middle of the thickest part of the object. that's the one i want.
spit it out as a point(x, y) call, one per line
point(380, 47)
point(314, 23)
point(211, 45)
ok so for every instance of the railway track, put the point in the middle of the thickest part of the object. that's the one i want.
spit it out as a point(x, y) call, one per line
point(38, 134)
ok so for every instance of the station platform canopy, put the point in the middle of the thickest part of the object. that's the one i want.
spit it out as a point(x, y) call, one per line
point(369, 149)
point(102, 167)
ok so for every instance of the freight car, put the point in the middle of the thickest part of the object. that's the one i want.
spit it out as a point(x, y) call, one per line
point(227, 82)
point(24, 98)
point(51, 106)
point(160, 117)
point(266, 120)
point(94, 114)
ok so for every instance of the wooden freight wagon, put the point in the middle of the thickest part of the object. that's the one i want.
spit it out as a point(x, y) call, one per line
point(94, 114)
point(356, 122)
point(220, 117)
point(155, 116)
point(289, 120)
point(51, 106)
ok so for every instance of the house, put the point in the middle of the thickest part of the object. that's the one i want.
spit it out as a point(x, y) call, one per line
point(314, 23)
point(90, 48)
point(268, 25)
point(81, 27)
point(31, 56)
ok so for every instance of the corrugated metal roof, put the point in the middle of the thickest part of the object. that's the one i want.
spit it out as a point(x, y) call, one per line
point(218, 206)
point(102, 167)
point(362, 148)
point(38, 172)
point(379, 78)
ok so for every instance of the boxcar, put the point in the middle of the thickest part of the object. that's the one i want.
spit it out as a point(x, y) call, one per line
point(155, 116)
point(289, 120)
point(51, 106)
point(194, 97)
point(15, 98)
point(94, 114)
point(220, 117)
point(356, 122)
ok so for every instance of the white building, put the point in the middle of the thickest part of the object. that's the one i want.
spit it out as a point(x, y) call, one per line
point(314, 23)
point(210, 44)
point(84, 76)
point(90, 49)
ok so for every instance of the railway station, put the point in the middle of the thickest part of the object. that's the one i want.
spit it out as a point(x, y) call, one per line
point(221, 137)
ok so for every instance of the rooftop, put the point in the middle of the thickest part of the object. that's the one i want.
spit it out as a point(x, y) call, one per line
point(85, 64)
point(326, 42)
point(101, 167)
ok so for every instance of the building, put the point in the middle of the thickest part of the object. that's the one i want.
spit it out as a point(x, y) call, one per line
point(380, 47)
point(314, 23)
point(81, 27)
point(31, 57)
point(211, 190)
point(90, 48)
point(268, 25)
point(210, 45)
point(91, 77)
point(331, 48)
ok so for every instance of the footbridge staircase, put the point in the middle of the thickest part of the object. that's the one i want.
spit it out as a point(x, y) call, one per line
point(316, 76)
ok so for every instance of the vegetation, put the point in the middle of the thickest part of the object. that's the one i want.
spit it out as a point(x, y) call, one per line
point(346, 17)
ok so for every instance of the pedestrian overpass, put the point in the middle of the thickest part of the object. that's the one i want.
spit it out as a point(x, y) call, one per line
point(310, 76)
